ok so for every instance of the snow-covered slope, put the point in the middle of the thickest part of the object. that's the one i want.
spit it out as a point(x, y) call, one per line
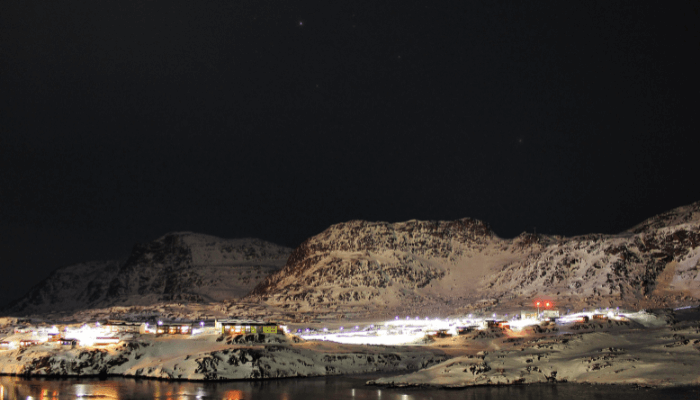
point(207, 357)
point(69, 287)
point(440, 266)
point(603, 352)
point(180, 266)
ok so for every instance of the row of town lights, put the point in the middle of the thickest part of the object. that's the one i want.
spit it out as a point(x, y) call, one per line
point(538, 303)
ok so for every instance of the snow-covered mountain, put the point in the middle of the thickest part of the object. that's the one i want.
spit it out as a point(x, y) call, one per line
point(181, 266)
point(440, 266)
point(426, 267)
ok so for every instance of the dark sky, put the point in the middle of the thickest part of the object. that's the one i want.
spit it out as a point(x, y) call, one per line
point(123, 120)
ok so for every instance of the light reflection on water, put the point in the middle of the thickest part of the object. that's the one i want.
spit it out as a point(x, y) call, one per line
point(234, 395)
point(15, 388)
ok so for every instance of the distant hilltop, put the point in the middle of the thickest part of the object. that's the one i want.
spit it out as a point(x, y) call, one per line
point(181, 266)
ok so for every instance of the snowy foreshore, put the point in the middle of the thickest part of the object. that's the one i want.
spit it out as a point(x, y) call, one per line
point(209, 358)
point(647, 349)
point(607, 352)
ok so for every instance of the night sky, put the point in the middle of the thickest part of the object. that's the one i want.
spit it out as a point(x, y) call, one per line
point(121, 121)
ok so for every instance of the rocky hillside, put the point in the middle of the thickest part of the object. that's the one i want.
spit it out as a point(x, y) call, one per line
point(437, 267)
point(178, 267)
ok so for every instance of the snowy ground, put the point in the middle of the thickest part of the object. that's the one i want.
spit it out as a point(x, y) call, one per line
point(649, 349)
point(658, 350)
point(211, 357)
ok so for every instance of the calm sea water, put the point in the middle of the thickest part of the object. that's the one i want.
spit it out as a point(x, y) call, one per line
point(352, 387)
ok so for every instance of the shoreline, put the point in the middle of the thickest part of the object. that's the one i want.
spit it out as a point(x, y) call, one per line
point(351, 375)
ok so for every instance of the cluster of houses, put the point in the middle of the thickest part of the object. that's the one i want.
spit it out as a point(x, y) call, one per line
point(111, 330)
point(547, 315)
point(109, 333)
point(525, 315)
point(246, 326)
point(61, 342)
point(220, 326)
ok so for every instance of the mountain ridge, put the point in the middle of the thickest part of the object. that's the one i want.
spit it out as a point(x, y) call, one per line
point(176, 267)
point(427, 267)
point(434, 265)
